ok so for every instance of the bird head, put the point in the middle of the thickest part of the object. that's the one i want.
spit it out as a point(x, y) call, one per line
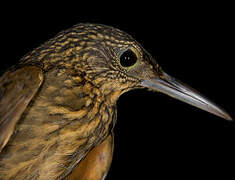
point(115, 63)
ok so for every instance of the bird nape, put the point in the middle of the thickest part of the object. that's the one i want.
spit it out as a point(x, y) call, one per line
point(58, 104)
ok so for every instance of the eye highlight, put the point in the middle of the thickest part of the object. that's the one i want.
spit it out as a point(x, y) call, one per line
point(128, 58)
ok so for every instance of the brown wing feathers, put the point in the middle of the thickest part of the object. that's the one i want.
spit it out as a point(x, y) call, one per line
point(17, 88)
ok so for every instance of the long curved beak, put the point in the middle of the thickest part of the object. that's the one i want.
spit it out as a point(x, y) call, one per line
point(176, 89)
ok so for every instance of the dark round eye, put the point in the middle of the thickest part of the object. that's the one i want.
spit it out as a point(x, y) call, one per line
point(128, 58)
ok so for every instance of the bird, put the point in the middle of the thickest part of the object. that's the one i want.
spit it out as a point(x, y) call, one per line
point(58, 103)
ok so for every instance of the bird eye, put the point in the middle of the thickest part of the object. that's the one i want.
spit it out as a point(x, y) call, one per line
point(128, 58)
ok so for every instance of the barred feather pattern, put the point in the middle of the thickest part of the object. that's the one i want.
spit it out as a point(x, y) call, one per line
point(75, 108)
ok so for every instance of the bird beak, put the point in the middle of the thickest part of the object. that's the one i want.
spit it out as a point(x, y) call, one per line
point(176, 89)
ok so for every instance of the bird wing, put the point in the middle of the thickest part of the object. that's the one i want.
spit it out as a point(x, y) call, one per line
point(17, 88)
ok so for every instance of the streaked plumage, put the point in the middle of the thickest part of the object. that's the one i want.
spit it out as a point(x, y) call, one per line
point(59, 102)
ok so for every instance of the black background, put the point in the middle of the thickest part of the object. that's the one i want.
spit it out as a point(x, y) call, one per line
point(155, 135)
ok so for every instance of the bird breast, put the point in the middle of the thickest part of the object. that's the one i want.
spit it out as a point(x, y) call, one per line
point(60, 126)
